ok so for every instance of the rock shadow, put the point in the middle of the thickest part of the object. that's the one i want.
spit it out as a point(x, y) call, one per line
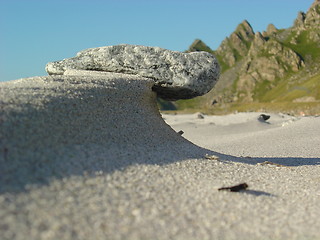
point(56, 127)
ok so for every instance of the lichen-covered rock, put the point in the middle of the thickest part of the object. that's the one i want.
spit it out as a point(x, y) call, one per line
point(176, 75)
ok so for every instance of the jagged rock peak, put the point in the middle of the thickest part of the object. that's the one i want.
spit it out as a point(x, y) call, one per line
point(246, 25)
point(313, 15)
point(258, 39)
point(245, 30)
point(237, 44)
point(311, 19)
point(299, 22)
point(197, 41)
point(315, 4)
point(199, 45)
point(271, 29)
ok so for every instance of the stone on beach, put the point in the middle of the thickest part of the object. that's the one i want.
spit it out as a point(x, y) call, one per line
point(176, 75)
point(92, 120)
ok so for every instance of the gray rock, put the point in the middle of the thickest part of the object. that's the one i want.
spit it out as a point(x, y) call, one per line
point(200, 116)
point(263, 117)
point(176, 75)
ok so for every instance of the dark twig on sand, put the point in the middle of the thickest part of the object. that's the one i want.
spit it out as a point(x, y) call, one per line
point(236, 188)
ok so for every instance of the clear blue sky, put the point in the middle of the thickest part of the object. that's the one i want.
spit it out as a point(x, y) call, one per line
point(34, 32)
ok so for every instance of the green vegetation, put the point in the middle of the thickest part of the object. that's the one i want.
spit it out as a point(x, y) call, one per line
point(165, 105)
point(223, 66)
point(287, 91)
point(318, 9)
point(194, 103)
point(260, 90)
point(296, 108)
point(279, 74)
point(198, 45)
point(303, 45)
point(312, 108)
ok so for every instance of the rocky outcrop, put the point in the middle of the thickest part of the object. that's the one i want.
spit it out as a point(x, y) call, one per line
point(271, 29)
point(176, 75)
point(299, 22)
point(237, 45)
point(308, 20)
point(198, 46)
point(312, 17)
point(253, 64)
point(308, 24)
point(271, 59)
point(266, 61)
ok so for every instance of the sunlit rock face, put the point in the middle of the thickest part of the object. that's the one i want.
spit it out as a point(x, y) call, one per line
point(176, 75)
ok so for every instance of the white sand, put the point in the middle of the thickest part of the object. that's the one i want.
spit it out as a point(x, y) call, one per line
point(155, 185)
point(243, 135)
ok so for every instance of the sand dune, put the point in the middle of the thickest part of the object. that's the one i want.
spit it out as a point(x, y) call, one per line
point(82, 166)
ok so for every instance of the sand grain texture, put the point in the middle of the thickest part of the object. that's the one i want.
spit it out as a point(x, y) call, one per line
point(85, 158)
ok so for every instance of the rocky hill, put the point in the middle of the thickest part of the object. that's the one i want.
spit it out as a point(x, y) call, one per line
point(278, 67)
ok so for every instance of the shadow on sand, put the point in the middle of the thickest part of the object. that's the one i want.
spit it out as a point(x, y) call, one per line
point(93, 127)
point(16, 174)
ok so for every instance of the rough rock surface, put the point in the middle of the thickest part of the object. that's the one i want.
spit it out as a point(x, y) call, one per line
point(176, 75)
point(256, 66)
point(237, 45)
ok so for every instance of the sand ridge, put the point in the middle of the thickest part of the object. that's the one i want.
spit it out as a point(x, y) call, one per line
point(159, 185)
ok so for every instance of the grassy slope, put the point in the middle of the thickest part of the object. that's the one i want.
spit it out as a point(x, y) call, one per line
point(283, 92)
point(287, 89)
point(282, 95)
